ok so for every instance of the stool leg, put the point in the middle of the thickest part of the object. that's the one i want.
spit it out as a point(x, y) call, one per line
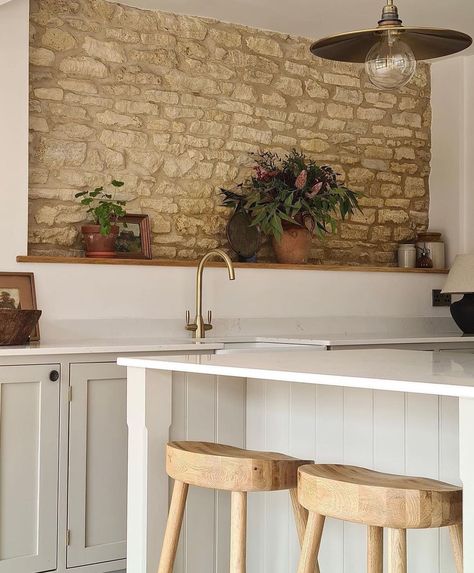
point(311, 543)
point(301, 518)
point(397, 551)
point(375, 550)
point(300, 513)
point(173, 527)
point(238, 532)
point(455, 532)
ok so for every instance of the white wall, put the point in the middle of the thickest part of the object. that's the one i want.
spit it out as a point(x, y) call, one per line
point(13, 131)
point(80, 291)
point(468, 154)
point(452, 169)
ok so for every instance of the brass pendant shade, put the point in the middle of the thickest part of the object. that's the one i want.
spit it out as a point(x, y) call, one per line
point(426, 43)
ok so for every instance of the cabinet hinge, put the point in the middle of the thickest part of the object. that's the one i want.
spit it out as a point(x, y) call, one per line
point(68, 537)
point(69, 394)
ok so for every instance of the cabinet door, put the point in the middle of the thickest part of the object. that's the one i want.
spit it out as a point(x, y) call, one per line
point(29, 437)
point(97, 495)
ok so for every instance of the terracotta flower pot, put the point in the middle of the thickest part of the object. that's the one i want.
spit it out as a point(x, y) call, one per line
point(294, 245)
point(97, 245)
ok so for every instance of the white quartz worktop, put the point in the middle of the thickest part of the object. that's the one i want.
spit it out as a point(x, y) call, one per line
point(162, 343)
point(120, 346)
point(123, 336)
point(356, 339)
point(447, 374)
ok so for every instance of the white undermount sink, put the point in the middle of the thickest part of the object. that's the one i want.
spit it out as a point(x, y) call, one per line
point(240, 347)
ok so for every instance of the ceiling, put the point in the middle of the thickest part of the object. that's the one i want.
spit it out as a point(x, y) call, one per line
point(319, 18)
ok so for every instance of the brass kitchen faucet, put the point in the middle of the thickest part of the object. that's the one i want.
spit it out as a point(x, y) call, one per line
point(199, 327)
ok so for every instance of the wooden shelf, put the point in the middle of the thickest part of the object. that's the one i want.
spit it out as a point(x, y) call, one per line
point(170, 263)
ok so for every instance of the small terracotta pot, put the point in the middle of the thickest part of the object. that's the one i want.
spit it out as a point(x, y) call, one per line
point(294, 245)
point(97, 245)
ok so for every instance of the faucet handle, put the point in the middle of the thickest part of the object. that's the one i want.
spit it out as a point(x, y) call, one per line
point(208, 324)
point(190, 325)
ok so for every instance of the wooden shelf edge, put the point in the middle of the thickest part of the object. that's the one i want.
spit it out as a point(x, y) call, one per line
point(169, 263)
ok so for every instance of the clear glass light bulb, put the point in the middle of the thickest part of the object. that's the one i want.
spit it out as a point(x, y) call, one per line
point(390, 63)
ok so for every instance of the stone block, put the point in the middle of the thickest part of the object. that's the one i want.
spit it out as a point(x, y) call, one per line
point(58, 40)
point(314, 145)
point(54, 153)
point(338, 111)
point(390, 190)
point(375, 164)
point(78, 86)
point(384, 100)
point(159, 39)
point(407, 118)
point(122, 35)
point(41, 57)
point(360, 175)
point(71, 130)
point(332, 124)
point(55, 94)
point(315, 89)
point(225, 38)
point(289, 86)
point(120, 140)
point(106, 51)
point(370, 114)
point(245, 93)
point(264, 46)
point(349, 96)
point(341, 80)
point(254, 135)
point(146, 160)
point(397, 216)
point(415, 187)
point(83, 66)
point(213, 128)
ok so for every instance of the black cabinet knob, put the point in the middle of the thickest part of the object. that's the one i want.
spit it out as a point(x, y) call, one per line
point(54, 375)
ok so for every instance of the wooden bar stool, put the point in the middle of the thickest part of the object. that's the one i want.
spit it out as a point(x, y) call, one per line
point(239, 471)
point(377, 500)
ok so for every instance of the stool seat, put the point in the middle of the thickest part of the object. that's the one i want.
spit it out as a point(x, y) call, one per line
point(216, 466)
point(222, 467)
point(378, 501)
point(365, 496)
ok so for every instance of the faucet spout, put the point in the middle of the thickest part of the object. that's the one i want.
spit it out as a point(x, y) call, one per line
point(199, 327)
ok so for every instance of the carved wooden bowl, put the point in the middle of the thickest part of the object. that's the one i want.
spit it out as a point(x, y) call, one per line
point(16, 326)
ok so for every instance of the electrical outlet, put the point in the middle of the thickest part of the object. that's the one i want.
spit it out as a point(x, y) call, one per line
point(440, 299)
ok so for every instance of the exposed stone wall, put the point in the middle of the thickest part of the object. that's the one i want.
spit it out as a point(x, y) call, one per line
point(172, 105)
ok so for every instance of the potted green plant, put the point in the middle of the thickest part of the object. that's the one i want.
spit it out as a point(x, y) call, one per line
point(290, 199)
point(101, 235)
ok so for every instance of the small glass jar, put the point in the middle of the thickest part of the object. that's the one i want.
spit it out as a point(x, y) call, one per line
point(406, 255)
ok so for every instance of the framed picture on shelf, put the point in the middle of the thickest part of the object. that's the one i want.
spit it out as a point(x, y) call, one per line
point(134, 239)
point(17, 291)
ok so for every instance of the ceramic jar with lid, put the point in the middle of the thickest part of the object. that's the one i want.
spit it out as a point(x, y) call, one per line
point(434, 244)
point(407, 255)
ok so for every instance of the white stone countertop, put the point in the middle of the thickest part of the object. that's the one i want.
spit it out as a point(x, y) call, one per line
point(184, 343)
point(107, 346)
point(364, 339)
point(438, 373)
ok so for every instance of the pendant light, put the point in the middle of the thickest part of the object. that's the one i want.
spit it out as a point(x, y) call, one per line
point(391, 50)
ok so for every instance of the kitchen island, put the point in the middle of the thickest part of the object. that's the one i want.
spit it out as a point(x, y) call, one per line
point(365, 376)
